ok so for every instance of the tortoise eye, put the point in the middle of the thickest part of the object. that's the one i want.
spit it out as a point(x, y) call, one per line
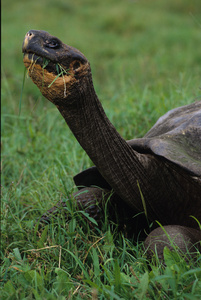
point(52, 44)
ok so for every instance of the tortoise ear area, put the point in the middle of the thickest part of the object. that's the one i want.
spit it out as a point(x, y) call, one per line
point(76, 65)
point(77, 60)
point(75, 56)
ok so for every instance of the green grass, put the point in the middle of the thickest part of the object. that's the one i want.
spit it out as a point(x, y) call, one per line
point(145, 59)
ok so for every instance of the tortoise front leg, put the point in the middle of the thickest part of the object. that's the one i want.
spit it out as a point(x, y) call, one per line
point(89, 199)
point(97, 203)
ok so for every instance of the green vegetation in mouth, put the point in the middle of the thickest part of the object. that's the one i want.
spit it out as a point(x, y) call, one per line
point(61, 72)
point(33, 62)
point(45, 63)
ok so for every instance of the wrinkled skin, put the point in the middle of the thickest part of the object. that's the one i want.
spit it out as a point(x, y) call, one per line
point(171, 194)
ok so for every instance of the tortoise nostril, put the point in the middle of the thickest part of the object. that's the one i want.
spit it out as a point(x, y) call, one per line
point(29, 33)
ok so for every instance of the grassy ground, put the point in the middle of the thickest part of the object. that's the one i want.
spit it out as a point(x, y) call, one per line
point(145, 58)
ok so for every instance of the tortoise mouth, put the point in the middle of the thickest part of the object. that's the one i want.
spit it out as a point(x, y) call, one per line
point(52, 78)
point(30, 59)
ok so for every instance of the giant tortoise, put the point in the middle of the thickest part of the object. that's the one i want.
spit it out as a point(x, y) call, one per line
point(158, 175)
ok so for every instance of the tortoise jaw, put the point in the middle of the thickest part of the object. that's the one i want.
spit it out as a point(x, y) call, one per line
point(52, 79)
point(30, 59)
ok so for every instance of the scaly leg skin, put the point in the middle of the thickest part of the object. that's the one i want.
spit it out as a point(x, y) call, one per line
point(89, 200)
point(186, 240)
point(95, 201)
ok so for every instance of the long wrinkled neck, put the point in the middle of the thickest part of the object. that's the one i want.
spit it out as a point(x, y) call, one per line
point(114, 158)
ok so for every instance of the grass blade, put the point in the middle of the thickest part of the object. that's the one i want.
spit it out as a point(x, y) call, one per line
point(22, 90)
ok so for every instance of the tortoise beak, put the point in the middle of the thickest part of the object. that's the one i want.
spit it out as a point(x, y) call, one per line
point(37, 41)
point(43, 44)
point(26, 41)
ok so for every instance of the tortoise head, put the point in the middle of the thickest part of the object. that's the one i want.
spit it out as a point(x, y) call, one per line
point(57, 69)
